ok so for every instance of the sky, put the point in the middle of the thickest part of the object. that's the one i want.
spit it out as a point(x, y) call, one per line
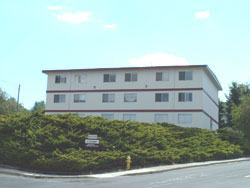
point(38, 35)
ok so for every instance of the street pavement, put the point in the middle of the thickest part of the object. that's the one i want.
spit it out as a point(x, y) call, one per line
point(234, 173)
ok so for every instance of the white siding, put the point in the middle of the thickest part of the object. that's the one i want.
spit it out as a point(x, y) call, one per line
point(202, 100)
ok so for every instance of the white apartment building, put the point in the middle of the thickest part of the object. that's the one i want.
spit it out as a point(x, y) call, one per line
point(181, 95)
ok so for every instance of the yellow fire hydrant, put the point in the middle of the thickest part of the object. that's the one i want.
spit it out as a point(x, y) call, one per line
point(128, 161)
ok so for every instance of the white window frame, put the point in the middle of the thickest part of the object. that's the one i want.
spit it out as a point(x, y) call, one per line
point(129, 117)
point(185, 75)
point(108, 116)
point(161, 97)
point(185, 118)
point(60, 79)
point(81, 78)
point(79, 98)
point(131, 77)
point(130, 97)
point(111, 77)
point(161, 118)
point(188, 97)
point(59, 98)
point(161, 76)
point(108, 97)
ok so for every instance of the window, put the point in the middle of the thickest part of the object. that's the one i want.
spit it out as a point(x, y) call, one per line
point(79, 98)
point(130, 97)
point(159, 118)
point(161, 97)
point(131, 77)
point(108, 97)
point(60, 79)
point(185, 118)
point(81, 115)
point(109, 77)
point(161, 76)
point(129, 117)
point(59, 98)
point(108, 116)
point(186, 75)
point(185, 97)
point(81, 78)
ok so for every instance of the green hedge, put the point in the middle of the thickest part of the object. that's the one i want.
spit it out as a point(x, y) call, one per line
point(55, 144)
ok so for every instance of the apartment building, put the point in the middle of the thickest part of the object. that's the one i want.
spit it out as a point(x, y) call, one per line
point(181, 95)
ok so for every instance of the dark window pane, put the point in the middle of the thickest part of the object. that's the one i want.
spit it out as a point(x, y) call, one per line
point(76, 98)
point(158, 97)
point(158, 76)
point(181, 75)
point(57, 79)
point(127, 77)
point(106, 78)
point(181, 96)
point(56, 98)
point(104, 97)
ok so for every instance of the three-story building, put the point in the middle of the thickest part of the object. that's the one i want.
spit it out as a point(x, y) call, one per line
point(181, 95)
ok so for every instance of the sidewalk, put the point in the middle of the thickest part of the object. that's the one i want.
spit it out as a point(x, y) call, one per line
point(122, 173)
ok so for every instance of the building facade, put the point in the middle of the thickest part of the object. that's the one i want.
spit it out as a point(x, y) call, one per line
point(181, 95)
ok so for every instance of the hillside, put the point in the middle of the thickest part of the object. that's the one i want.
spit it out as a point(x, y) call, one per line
point(55, 144)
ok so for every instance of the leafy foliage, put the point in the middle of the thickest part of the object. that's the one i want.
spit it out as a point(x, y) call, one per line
point(9, 104)
point(236, 92)
point(38, 107)
point(235, 137)
point(55, 144)
point(241, 116)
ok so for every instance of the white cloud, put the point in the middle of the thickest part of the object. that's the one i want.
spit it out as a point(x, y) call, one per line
point(158, 59)
point(55, 7)
point(202, 15)
point(111, 26)
point(75, 18)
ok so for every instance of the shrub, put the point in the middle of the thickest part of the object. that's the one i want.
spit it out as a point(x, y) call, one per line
point(55, 144)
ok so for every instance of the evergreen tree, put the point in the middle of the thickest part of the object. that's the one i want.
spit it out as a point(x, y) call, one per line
point(38, 107)
point(241, 116)
point(236, 92)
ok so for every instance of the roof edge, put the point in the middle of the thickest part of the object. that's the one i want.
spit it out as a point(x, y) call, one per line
point(214, 78)
point(124, 68)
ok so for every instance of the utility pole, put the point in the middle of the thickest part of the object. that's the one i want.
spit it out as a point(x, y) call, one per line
point(18, 97)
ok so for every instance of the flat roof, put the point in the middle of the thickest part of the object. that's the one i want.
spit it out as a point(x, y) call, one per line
point(124, 68)
point(208, 70)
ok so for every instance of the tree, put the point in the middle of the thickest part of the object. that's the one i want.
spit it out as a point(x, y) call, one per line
point(236, 92)
point(222, 114)
point(38, 107)
point(241, 116)
point(8, 104)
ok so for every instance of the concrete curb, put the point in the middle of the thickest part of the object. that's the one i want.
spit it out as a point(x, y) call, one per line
point(142, 171)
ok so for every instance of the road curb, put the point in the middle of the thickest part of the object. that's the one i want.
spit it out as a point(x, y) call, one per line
point(151, 170)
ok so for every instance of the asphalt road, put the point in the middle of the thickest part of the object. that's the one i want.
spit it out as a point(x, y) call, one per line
point(228, 175)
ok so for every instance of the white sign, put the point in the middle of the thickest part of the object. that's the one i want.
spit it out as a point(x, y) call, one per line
point(89, 141)
point(92, 136)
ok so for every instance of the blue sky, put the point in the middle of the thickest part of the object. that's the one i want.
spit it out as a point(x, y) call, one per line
point(70, 34)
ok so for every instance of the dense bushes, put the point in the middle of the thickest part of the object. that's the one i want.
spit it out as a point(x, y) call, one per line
point(235, 137)
point(56, 143)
